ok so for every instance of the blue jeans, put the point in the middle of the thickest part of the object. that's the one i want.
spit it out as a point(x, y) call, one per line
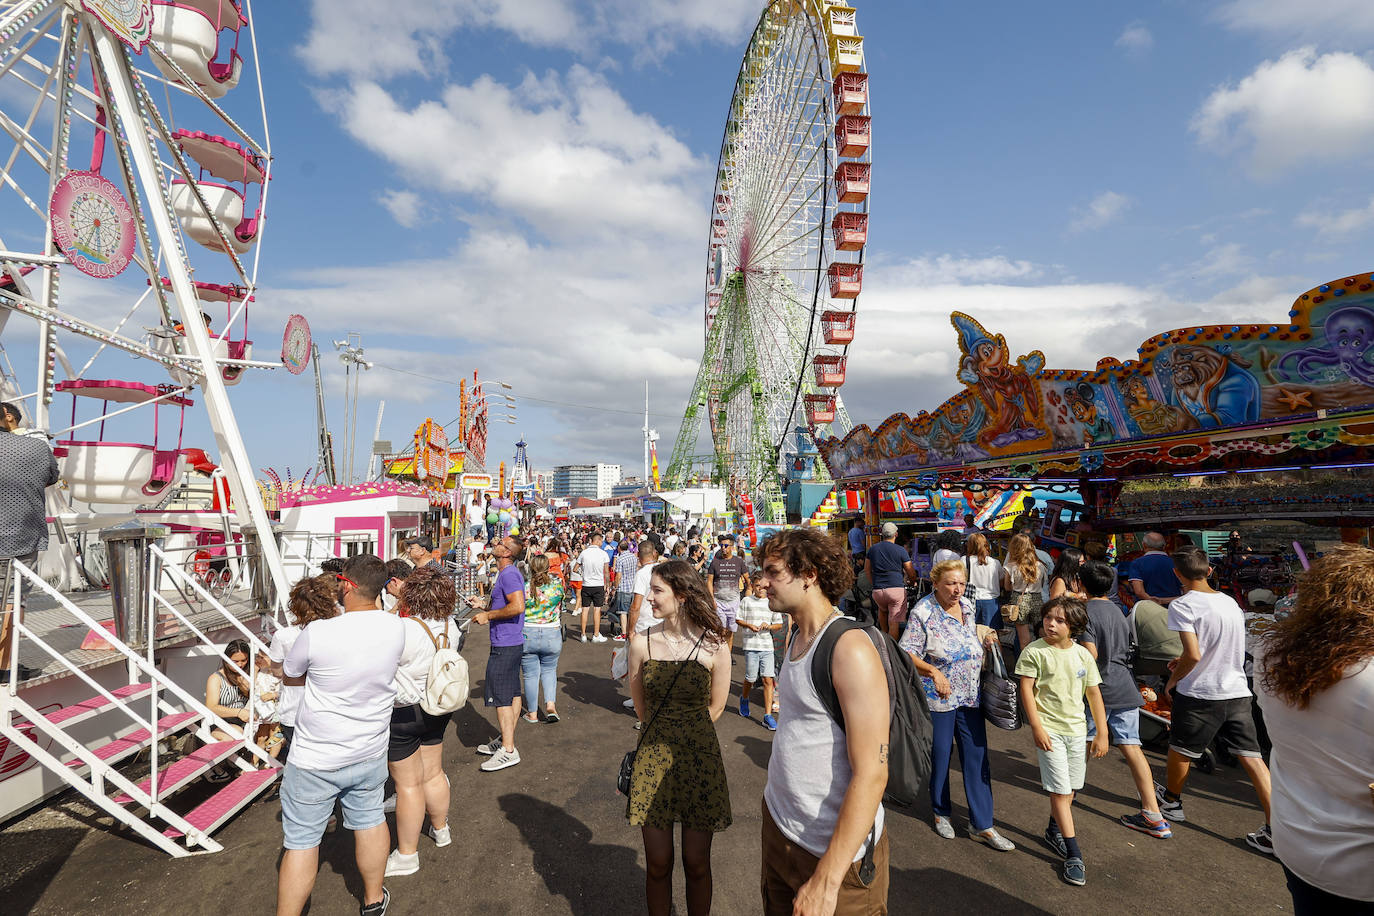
point(988, 613)
point(308, 796)
point(539, 664)
point(966, 723)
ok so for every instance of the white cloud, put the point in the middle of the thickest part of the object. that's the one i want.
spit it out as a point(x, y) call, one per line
point(1103, 209)
point(364, 38)
point(566, 154)
point(1301, 108)
point(1136, 38)
point(1326, 20)
point(1338, 222)
point(937, 270)
point(405, 207)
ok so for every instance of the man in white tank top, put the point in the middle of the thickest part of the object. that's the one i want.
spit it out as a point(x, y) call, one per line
point(824, 846)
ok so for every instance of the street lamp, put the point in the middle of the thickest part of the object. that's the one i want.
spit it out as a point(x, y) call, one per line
point(351, 355)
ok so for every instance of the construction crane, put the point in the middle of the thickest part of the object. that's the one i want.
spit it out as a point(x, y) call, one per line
point(325, 460)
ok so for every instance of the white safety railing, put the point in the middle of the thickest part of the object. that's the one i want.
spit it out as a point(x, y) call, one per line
point(160, 688)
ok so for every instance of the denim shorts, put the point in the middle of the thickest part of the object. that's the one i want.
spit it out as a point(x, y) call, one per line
point(308, 796)
point(758, 663)
point(1123, 725)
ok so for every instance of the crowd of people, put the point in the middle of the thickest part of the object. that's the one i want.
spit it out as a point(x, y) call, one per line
point(1073, 629)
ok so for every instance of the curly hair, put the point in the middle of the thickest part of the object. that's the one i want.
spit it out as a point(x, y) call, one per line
point(1330, 629)
point(695, 603)
point(804, 550)
point(314, 598)
point(949, 539)
point(429, 593)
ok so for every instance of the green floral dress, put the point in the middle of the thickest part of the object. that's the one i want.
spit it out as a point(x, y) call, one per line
point(679, 774)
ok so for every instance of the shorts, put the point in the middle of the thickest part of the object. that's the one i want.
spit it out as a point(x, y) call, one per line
point(1062, 769)
point(892, 602)
point(1123, 726)
point(411, 728)
point(758, 663)
point(308, 796)
point(593, 596)
point(728, 611)
point(621, 603)
point(503, 675)
point(1196, 723)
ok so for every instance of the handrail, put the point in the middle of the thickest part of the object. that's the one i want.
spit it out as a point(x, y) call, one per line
point(138, 661)
point(178, 573)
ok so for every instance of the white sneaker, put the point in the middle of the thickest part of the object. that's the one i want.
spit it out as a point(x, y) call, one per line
point(501, 759)
point(389, 806)
point(442, 835)
point(598, 638)
point(397, 864)
point(491, 747)
point(583, 637)
point(628, 704)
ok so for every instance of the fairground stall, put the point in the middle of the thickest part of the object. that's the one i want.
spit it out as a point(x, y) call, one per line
point(1230, 426)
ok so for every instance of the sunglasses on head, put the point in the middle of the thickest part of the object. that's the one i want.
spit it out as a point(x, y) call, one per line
point(342, 578)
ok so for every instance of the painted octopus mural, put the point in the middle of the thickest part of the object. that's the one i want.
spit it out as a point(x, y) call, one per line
point(1190, 379)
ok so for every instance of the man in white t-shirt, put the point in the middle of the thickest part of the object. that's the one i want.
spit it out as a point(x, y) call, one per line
point(592, 563)
point(1210, 695)
point(343, 722)
point(641, 615)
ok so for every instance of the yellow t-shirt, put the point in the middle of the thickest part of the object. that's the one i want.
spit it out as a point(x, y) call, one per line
point(1062, 678)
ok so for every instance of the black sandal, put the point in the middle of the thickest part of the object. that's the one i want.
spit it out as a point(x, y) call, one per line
point(550, 717)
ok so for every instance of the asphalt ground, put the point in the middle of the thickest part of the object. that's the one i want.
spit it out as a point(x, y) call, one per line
point(550, 835)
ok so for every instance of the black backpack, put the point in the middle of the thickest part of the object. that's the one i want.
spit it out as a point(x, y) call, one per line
point(908, 759)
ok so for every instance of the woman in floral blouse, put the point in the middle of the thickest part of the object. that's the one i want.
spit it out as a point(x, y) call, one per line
point(942, 639)
point(543, 640)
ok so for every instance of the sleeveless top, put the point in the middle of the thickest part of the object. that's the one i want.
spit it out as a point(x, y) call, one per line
point(229, 695)
point(808, 772)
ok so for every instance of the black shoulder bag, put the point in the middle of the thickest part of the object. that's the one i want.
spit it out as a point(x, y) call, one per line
point(627, 763)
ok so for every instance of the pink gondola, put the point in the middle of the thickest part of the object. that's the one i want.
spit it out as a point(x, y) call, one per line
point(850, 230)
point(236, 167)
point(189, 33)
point(235, 343)
point(820, 408)
point(851, 93)
point(120, 473)
point(851, 181)
point(852, 135)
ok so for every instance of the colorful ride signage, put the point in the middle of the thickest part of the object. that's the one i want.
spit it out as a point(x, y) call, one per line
point(475, 482)
point(92, 224)
point(131, 21)
point(295, 345)
point(431, 454)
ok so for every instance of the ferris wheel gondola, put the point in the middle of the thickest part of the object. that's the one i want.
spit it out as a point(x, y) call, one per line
point(785, 247)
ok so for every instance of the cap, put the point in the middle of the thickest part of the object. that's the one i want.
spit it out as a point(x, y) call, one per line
point(889, 530)
point(1258, 596)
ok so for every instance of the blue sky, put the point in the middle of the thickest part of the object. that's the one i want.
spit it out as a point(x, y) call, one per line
point(521, 186)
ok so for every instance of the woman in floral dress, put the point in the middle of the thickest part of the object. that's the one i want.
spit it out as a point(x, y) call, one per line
point(942, 639)
point(679, 678)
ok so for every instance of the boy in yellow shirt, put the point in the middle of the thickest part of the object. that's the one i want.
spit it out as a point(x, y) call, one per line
point(1056, 675)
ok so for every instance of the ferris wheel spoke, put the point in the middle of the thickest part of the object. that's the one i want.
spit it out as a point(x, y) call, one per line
point(817, 229)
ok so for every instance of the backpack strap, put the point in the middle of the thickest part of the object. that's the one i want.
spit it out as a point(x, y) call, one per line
point(825, 652)
point(430, 633)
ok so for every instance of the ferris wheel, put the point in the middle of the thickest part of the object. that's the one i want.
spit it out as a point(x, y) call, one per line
point(134, 166)
point(784, 256)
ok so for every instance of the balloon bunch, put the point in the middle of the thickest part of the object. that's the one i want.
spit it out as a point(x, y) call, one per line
point(504, 516)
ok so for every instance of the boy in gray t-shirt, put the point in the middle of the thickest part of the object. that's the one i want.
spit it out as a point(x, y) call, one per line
point(1108, 639)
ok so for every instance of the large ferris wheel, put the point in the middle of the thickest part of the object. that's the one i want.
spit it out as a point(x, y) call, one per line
point(785, 246)
point(134, 165)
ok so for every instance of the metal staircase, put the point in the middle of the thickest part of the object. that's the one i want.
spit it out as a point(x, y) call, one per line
point(129, 777)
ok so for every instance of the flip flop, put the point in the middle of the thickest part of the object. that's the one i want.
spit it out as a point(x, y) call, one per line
point(551, 717)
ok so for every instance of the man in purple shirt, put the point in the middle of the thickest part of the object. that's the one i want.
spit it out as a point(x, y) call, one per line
point(506, 615)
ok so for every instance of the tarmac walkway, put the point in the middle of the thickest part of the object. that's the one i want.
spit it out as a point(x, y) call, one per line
point(550, 836)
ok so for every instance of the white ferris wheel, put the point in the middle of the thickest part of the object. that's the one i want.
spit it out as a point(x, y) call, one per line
point(784, 256)
point(134, 169)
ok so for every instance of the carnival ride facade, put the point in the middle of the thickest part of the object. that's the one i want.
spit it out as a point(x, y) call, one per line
point(134, 169)
point(785, 247)
point(1289, 398)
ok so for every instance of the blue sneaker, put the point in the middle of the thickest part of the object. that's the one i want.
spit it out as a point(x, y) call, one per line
point(1159, 829)
point(744, 707)
point(1075, 872)
point(1055, 841)
point(770, 723)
